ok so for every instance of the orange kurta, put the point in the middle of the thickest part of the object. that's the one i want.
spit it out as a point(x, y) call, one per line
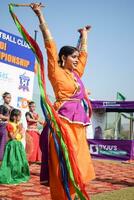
point(62, 80)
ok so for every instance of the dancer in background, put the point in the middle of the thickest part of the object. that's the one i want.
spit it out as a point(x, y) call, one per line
point(4, 117)
point(64, 72)
point(14, 168)
point(33, 134)
point(7, 100)
point(5, 110)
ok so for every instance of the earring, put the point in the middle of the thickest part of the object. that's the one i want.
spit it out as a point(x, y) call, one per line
point(63, 63)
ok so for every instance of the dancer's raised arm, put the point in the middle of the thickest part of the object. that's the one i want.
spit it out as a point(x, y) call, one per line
point(50, 45)
point(36, 7)
point(84, 33)
point(83, 50)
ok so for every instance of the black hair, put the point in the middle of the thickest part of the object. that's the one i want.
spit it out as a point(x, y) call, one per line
point(4, 110)
point(5, 94)
point(30, 103)
point(66, 51)
point(14, 113)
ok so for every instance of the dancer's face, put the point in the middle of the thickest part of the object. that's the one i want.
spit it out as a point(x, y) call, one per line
point(71, 61)
point(32, 107)
point(17, 118)
point(7, 99)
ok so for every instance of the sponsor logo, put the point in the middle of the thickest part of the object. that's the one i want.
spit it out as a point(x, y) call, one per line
point(22, 103)
point(109, 150)
point(94, 149)
point(108, 103)
point(24, 82)
point(3, 76)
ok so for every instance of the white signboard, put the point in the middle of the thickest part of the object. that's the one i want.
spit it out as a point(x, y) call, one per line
point(16, 69)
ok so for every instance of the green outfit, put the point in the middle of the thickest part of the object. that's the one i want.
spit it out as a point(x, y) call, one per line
point(14, 168)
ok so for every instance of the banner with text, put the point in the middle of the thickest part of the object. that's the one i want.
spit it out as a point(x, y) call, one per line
point(16, 69)
point(112, 149)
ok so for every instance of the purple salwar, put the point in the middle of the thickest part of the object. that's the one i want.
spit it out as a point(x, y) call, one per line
point(44, 145)
point(3, 139)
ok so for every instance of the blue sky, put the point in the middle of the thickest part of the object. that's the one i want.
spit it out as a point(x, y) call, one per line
point(110, 66)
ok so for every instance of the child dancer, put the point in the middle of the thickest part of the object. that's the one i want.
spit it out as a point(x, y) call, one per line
point(14, 168)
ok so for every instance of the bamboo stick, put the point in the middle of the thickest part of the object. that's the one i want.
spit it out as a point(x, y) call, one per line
point(25, 4)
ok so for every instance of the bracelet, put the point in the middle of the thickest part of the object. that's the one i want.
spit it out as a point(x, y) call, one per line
point(45, 31)
point(43, 24)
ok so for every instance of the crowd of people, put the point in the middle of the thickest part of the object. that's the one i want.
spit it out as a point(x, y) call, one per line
point(15, 154)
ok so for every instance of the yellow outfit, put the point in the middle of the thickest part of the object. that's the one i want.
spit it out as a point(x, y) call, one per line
point(16, 131)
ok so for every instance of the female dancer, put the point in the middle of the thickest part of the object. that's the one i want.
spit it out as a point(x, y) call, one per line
point(5, 110)
point(32, 147)
point(64, 72)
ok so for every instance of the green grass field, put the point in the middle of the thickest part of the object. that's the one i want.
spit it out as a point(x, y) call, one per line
point(123, 194)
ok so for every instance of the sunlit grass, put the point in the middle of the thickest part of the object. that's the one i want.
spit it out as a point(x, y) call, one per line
point(123, 194)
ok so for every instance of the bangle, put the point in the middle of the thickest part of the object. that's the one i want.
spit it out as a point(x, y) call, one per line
point(46, 33)
point(41, 25)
